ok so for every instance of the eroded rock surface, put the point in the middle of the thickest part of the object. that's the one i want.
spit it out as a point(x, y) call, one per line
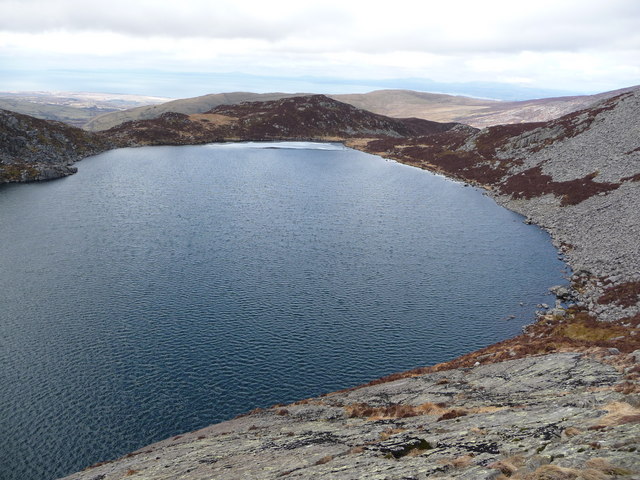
point(554, 411)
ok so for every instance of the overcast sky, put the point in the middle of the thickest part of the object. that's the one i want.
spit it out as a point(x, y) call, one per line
point(573, 45)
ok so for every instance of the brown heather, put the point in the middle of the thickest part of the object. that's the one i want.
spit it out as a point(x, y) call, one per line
point(625, 294)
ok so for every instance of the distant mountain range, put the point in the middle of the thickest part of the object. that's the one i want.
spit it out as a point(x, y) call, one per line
point(393, 103)
point(96, 112)
point(471, 111)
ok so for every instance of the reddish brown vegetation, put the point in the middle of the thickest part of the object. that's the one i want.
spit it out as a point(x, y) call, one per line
point(625, 294)
point(493, 138)
point(451, 414)
point(441, 152)
point(363, 410)
point(533, 183)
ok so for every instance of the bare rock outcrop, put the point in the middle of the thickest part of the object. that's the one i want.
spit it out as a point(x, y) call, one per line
point(552, 413)
point(32, 149)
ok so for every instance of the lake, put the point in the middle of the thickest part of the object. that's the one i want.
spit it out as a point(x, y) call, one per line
point(162, 289)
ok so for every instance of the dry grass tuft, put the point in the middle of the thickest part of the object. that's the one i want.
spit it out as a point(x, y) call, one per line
point(596, 469)
point(386, 434)
point(461, 461)
point(603, 465)
point(323, 460)
point(572, 432)
point(620, 413)
point(453, 413)
point(394, 410)
point(551, 472)
point(627, 388)
point(505, 467)
point(508, 466)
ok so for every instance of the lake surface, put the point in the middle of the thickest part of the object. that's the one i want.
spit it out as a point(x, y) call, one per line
point(163, 289)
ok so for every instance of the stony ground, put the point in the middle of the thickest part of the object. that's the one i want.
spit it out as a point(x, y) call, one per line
point(600, 236)
point(561, 416)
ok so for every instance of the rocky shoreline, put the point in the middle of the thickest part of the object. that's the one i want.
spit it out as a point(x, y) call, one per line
point(577, 177)
point(32, 149)
point(557, 416)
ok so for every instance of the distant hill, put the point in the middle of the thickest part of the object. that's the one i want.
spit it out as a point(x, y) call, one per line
point(70, 115)
point(471, 111)
point(393, 103)
point(187, 106)
point(315, 117)
point(73, 108)
point(437, 107)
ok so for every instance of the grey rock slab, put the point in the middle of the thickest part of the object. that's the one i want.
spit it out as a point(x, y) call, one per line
point(518, 407)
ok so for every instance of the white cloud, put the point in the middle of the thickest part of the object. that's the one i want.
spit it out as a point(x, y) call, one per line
point(547, 43)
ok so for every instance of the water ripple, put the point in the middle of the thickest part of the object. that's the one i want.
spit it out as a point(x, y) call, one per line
point(163, 289)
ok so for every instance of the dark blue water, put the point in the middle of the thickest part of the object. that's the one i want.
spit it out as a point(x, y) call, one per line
point(163, 289)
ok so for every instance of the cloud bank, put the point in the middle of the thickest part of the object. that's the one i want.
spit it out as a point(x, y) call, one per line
point(569, 44)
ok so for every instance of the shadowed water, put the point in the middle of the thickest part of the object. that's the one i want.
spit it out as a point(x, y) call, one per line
point(162, 289)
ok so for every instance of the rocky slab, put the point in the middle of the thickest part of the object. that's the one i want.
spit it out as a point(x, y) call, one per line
point(557, 412)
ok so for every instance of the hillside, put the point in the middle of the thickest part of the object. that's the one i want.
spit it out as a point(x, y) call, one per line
point(296, 118)
point(186, 106)
point(392, 103)
point(577, 176)
point(471, 111)
point(34, 149)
